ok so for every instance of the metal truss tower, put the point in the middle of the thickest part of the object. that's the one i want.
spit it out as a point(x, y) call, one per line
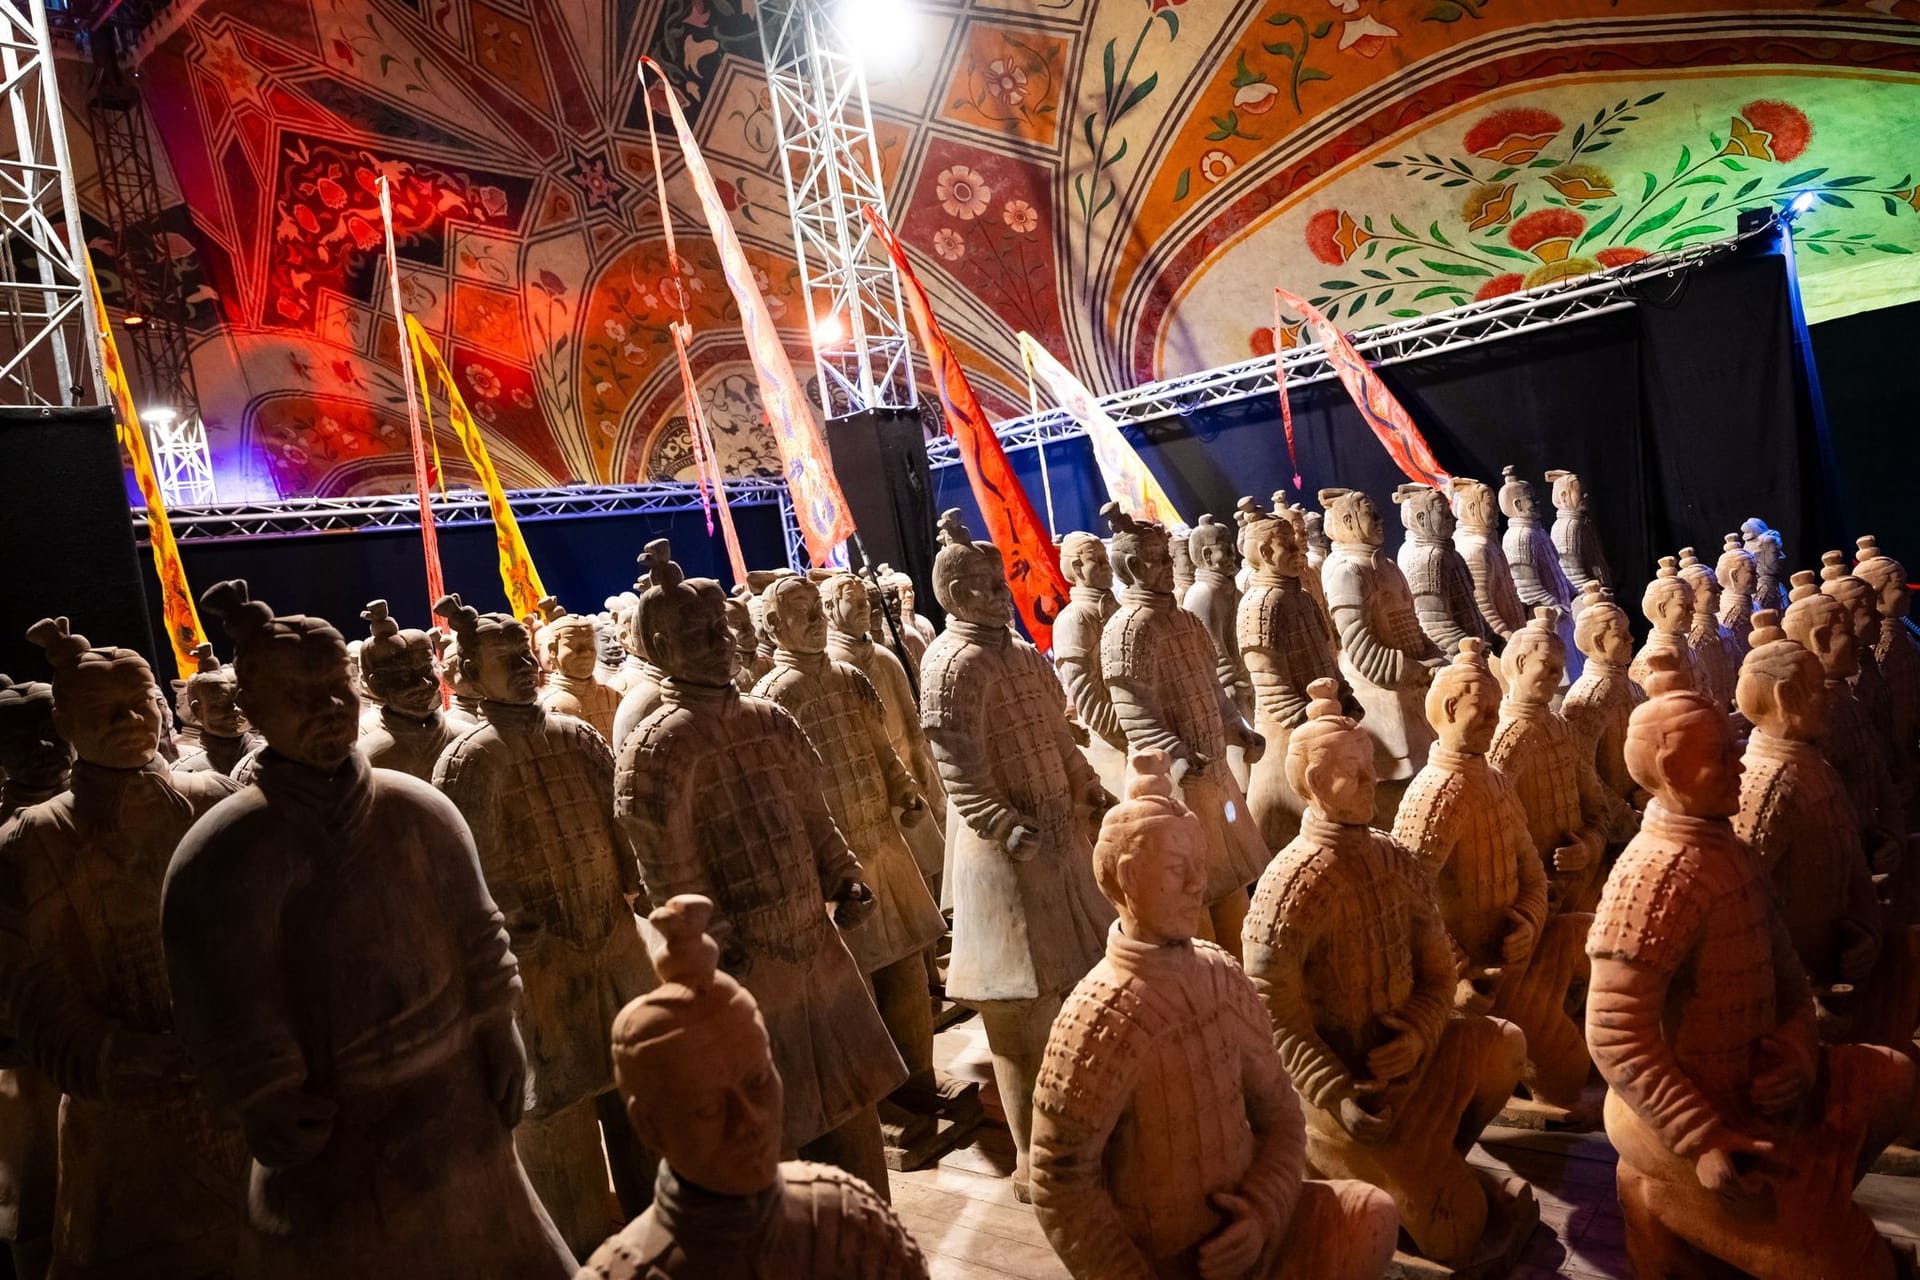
point(46, 352)
point(831, 164)
point(151, 290)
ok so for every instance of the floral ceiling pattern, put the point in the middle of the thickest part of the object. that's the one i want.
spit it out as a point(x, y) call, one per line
point(1125, 179)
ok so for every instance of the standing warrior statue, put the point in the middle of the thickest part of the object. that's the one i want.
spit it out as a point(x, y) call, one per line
point(1028, 919)
point(1575, 539)
point(696, 1070)
point(1314, 546)
point(1215, 600)
point(1737, 574)
point(1167, 1139)
point(643, 689)
point(1076, 654)
point(1438, 576)
point(1895, 647)
point(846, 599)
point(1862, 604)
point(398, 668)
point(726, 798)
point(746, 644)
point(1537, 575)
point(151, 1185)
point(571, 653)
point(1462, 819)
point(1283, 634)
point(536, 787)
point(1770, 564)
point(1478, 540)
point(1820, 624)
point(1386, 659)
point(345, 982)
point(212, 701)
point(1740, 1138)
point(1668, 606)
point(866, 783)
point(1719, 660)
point(35, 761)
point(1551, 769)
point(1159, 664)
point(1796, 816)
point(1348, 951)
point(1596, 708)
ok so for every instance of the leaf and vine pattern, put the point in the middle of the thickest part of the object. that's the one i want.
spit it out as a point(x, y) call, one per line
point(1119, 95)
point(1538, 205)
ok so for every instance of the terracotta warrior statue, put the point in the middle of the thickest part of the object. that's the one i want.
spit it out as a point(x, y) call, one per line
point(1159, 663)
point(1737, 574)
point(1319, 545)
point(845, 597)
point(1769, 562)
point(632, 665)
point(1796, 816)
point(34, 765)
point(1463, 820)
point(1167, 1139)
point(1348, 950)
point(746, 644)
point(1442, 584)
point(696, 1070)
point(1895, 647)
point(1284, 637)
point(536, 787)
point(1551, 769)
point(1076, 654)
point(1215, 600)
point(1180, 558)
point(641, 692)
point(1821, 624)
point(1477, 538)
point(724, 797)
point(1862, 604)
point(153, 1186)
point(1668, 607)
point(466, 701)
point(224, 737)
point(1598, 705)
point(1311, 528)
point(1575, 539)
point(412, 730)
point(344, 982)
point(1537, 574)
point(1028, 919)
point(1719, 659)
point(35, 760)
point(900, 590)
point(867, 786)
point(1739, 1136)
point(1385, 657)
point(575, 686)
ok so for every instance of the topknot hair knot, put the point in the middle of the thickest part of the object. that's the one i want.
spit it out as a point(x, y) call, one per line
point(684, 954)
point(462, 617)
point(1325, 695)
point(62, 647)
point(1766, 628)
point(1804, 585)
point(1666, 674)
point(1150, 775)
point(953, 531)
point(657, 557)
point(240, 615)
point(380, 624)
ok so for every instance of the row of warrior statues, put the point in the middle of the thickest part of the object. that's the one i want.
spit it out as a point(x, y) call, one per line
point(641, 929)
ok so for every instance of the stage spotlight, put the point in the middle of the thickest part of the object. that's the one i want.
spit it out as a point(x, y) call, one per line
point(133, 321)
point(159, 417)
point(883, 35)
point(829, 330)
point(1803, 202)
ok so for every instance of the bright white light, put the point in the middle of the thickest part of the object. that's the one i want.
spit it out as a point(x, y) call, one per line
point(829, 330)
point(1803, 202)
point(158, 416)
point(883, 35)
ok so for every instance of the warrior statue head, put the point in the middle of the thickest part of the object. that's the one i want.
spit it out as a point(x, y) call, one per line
point(293, 677)
point(398, 665)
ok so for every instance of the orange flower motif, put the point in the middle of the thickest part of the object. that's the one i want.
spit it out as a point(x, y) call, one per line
point(1911, 197)
point(1581, 182)
point(1564, 269)
point(1548, 234)
point(1513, 136)
point(1500, 286)
point(1334, 236)
point(1747, 141)
point(1260, 341)
point(1489, 206)
point(1787, 128)
point(1619, 257)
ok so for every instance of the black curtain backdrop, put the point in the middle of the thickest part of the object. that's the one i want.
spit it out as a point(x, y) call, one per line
point(582, 560)
point(1685, 412)
point(1870, 376)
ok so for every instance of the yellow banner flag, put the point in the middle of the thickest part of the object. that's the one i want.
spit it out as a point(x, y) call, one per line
point(176, 599)
point(517, 574)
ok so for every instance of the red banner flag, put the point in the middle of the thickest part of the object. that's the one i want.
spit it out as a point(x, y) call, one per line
point(422, 480)
point(1388, 418)
point(818, 504)
point(1033, 567)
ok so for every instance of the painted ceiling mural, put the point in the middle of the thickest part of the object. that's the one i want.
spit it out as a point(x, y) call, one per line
point(1126, 179)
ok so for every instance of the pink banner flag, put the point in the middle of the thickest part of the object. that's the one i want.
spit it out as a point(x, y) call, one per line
point(1388, 418)
point(422, 478)
point(1124, 471)
point(818, 504)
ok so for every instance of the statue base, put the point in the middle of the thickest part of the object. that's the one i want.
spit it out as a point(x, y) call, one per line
point(918, 1142)
point(1512, 1214)
point(1544, 1117)
point(1898, 1161)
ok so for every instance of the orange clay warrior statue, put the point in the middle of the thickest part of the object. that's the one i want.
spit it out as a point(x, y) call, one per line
point(1668, 606)
point(1537, 574)
point(1215, 599)
point(1575, 539)
point(225, 738)
point(1076, 653)
point(1719, 659)
point(575, 687)
point(1737, 575)
point(398, 667)
point(1478, 540)
point(1598, 705)
point(1442, 584)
